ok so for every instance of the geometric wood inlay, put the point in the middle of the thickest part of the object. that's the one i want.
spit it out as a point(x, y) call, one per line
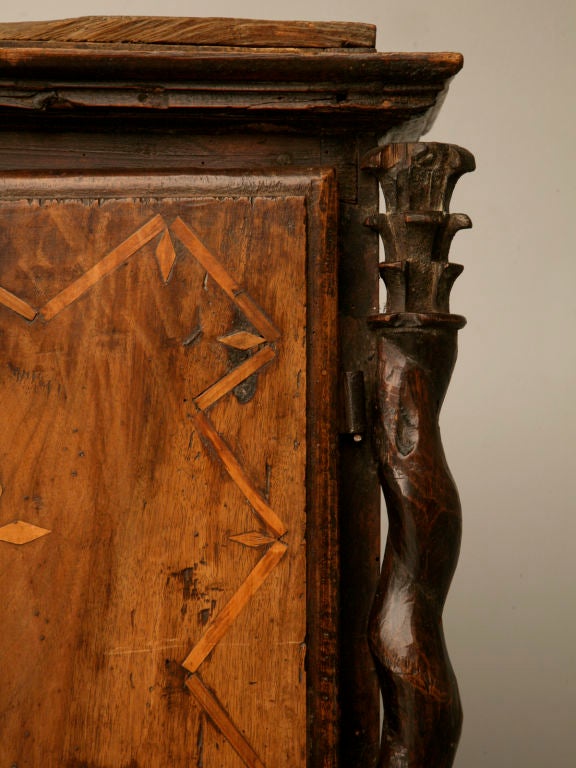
point(222, 721)
point(253, 539)
point(267, 538)
point(20, 532)
point(217, 272)
point(236, 376)
point(108, 264)
point(166, 255)
point(16, 304)
point(241, 340)
point(104, 267)
point(219, 625)
point(237, 473)
point(223, 620)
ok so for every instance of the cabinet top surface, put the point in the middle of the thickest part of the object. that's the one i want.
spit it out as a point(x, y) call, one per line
point(167, 30)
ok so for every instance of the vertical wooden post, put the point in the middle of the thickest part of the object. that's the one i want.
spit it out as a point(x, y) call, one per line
point(416, 355)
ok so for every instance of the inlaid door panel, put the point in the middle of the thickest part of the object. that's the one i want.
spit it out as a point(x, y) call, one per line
point(154, 369)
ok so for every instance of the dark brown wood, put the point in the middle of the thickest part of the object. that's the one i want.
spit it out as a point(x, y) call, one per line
point(360, 493)
point(253, 33)
point(367, 90)
point(323, 484)
point(238, 113)
point(416, 355)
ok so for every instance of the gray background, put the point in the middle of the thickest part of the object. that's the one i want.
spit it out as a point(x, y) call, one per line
point(509, 414)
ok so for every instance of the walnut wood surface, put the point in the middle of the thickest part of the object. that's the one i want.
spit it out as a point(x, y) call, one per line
point(416, 355)
point(161, 507)
point(194, 31)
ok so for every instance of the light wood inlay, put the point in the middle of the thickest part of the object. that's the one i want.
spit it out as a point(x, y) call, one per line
point(241, 340)
point(20, 532)
point(236, 376)
point(100, 405)
point(222, 622)
point(108, 264)
point(223, 722)
point(217, 272)
point(17, 305)
point(252, 539)
point(238, 475)
point(166, 255)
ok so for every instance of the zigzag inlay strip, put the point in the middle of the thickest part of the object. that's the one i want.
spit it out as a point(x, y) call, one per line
point(17, 304)
point(223, 722)
point(217, 272)
point(239, 476)
point(104, 267)
point(237, 376)
point(222, 622)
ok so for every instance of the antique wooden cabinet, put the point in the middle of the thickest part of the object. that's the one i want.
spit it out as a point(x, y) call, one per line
point(189, 519)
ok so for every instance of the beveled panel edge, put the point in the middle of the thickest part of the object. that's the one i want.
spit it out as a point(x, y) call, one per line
point(158, 184)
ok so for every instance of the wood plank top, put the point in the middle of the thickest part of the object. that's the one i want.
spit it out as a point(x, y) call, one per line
point(194, 31)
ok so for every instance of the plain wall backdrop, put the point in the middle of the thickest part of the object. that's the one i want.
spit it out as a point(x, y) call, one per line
point(508, 421)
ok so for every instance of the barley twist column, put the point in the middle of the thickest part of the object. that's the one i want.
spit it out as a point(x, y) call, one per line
point(416, 355)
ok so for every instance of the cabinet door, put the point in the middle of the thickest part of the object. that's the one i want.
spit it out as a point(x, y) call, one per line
point(166, 368)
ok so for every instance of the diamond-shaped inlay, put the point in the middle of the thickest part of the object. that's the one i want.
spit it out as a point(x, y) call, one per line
point(253, 539)
point(166, 255)
point(241, 340)
point(20, 532)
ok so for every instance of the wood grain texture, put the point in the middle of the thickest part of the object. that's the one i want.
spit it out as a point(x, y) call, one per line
point(416, 355)
point(104, 267)
point(227, 383)
point(194, 31)
point(422, 706)
point(17, 305)
point(134, 573)
point(367, 90)
point(228, 284)
point(238, 474)
point(223, 722)
point(222, 622)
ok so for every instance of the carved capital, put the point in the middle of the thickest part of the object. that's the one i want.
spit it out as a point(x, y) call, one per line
point(417, 181)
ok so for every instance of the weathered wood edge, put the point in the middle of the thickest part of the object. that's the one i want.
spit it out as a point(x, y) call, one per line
point(359, 523)
point(322, 474)
point(159, 30)
point(372, 92)
point(101, 63)
point(191, 181)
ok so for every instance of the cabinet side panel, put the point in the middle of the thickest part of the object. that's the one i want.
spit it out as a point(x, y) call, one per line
point(153, 373)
